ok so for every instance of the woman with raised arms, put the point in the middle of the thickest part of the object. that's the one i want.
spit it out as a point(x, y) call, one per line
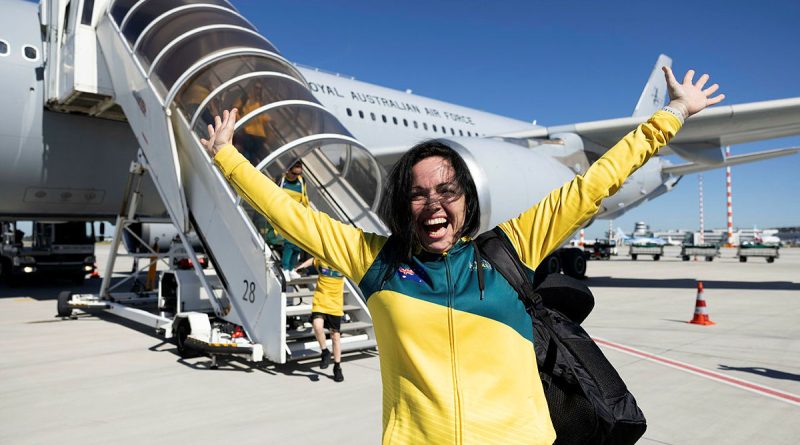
point(457, 365)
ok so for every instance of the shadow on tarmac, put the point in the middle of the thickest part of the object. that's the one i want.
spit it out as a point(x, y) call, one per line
point(308, 368)
point(764, 372)
point(688, 283)
point(49, 289)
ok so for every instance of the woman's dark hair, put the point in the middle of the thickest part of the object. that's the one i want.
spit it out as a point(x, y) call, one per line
point(395, 205)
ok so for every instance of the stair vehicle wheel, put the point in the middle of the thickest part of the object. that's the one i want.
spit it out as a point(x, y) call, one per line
point(656, 257)
point(62, 304)
point(685, 258)
point(634, 256)
point(771, 259)
point(181, 335)
point(742, 259)
point(575, 264)
point(709, 258)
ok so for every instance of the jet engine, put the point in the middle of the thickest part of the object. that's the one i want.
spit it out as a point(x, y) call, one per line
point(509, 178)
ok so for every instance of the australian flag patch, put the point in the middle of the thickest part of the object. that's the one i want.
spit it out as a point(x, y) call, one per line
point(407, 273)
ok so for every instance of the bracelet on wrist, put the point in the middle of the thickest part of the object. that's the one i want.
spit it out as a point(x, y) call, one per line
point(675, 112)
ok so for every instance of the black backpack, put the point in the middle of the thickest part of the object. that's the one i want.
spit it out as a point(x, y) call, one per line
point(588, 401)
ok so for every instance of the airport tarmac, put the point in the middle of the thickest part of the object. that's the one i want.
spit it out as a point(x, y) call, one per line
point(99, 379)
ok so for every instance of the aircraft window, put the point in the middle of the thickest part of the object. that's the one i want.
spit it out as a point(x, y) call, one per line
point(394, 119)
point(88, 8)
point(405, 122)
point(434, 127)
point(183, 55)
point(361, 114)
point(349, 112)
point(415, 124)
point(425, 125)
point(444, 130)
point(384, 118)
point(452, 131)
point(3, 48)
point(372, 115)
point(461, 132)
point(30, 52)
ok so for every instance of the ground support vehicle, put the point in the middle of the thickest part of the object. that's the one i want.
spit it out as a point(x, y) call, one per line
point(55, 250)
point(770, 252)
point(709, 251)
point(600, 250)
point(657, 251)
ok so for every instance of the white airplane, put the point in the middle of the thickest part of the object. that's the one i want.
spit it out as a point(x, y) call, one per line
point(92, 85)
point(70, 120)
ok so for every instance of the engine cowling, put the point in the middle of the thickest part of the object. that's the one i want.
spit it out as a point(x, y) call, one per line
point(509, 178)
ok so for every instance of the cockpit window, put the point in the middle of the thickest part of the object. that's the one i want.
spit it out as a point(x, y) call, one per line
point(3, 48)
point(30, 52)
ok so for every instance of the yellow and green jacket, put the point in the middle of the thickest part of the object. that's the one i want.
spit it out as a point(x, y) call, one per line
point(455, 368)
point(329, 294)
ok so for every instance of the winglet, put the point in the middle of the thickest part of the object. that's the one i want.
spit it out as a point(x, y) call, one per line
point(655, 91)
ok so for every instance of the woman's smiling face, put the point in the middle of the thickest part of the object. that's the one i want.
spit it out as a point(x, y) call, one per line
point(437, 204)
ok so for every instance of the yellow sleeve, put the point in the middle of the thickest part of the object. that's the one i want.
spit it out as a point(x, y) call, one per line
point(542, 228)
point(346, 248)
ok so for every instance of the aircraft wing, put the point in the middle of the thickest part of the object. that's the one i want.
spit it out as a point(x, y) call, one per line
point(694, 167)
point(702, 135)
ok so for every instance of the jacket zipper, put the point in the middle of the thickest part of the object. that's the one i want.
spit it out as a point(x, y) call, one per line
point(453, 361)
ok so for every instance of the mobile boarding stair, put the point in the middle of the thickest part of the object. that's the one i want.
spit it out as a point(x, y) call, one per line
point(172, 65)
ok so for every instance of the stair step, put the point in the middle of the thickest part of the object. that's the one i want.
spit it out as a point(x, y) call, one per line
point(302, 281)
point(305, 293)
point(305, 309)
point(300, 351)
point(308, 332)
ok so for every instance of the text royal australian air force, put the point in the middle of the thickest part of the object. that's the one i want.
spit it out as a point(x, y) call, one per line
point(366, 98)
point(386, 120)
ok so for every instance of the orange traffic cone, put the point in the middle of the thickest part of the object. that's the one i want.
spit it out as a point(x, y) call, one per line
point(700, 310)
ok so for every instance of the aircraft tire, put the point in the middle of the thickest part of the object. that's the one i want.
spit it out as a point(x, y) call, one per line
point(574, 264)
point(62, 304)
point(551, 264)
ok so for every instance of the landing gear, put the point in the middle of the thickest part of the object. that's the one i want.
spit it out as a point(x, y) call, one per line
point(551, 264)
point(574, 263)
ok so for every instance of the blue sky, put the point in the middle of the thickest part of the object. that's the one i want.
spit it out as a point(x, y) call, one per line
point(568, 61)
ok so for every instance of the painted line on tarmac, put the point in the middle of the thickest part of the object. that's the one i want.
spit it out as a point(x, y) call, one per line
point(752, 387)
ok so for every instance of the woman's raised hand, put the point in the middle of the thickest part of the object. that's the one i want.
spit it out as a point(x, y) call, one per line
point(690, 97)
point(221, 133)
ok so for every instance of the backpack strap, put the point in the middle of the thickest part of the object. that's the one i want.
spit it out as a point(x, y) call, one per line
point(498, 251)
point(559, 292)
